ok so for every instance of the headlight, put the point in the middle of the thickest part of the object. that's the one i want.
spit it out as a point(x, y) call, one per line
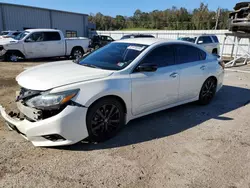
point(51, 100)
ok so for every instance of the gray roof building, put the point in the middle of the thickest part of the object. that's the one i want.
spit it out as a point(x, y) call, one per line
point(20, 17)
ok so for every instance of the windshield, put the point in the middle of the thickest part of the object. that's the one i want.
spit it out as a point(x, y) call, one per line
point(114, 56)
point(21, 35)
point(188, 39)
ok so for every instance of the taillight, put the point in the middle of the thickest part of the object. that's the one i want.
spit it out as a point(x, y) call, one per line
point(222, 64)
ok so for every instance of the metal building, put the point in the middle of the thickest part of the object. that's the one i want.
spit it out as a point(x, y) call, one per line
point(20, 17)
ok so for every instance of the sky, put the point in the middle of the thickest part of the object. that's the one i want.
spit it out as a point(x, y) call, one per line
point(121, 7)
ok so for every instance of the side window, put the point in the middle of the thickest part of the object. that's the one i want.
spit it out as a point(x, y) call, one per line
point(204, 40)
point(52, 36)
point(35, 37)
point(109, 39)
point(16, 33)
point(161, 56)
point(215, 39)
point(187, 54)
point(104, 38)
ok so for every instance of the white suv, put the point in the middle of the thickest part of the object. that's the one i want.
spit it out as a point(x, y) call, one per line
point(209, 42)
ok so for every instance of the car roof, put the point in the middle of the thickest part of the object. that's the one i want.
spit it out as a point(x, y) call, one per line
point(42, 30)
point(151, 41)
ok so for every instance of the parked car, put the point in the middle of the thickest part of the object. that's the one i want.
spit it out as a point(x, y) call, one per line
point(99, 41)
point(240, 18)
point(62, 103)
point(137, 36)
point(208, 42)
point(9, 34)
point(40, 43)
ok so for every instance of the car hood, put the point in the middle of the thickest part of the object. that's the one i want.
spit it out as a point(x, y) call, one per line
point(4, 41)
point(51, 75)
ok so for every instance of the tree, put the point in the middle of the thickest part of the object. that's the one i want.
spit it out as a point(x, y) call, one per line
point(174, 18)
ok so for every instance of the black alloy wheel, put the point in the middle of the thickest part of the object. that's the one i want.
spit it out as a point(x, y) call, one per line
point(105, 119)
point(208, 91)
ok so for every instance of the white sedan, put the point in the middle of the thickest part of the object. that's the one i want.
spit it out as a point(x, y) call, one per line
point(63, 103)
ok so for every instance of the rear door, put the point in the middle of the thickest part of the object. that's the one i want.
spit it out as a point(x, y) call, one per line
point(55, 45)
point(206, 42)
point(193, 70)
point(153, 90)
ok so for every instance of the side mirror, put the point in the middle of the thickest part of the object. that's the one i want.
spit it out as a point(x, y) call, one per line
point(146, 68)
point(200, 42)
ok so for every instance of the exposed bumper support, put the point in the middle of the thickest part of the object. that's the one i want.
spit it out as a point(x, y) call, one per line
point(70, 124)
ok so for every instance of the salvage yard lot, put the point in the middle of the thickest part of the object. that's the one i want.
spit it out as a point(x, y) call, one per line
point(186, 146)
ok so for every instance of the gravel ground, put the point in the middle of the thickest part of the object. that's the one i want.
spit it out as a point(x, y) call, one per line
point(186, 146)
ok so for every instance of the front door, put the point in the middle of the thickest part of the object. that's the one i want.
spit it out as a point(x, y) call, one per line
point(153, 90)
point(34, 45)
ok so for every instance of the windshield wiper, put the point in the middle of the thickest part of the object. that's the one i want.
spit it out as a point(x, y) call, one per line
point(92, 66)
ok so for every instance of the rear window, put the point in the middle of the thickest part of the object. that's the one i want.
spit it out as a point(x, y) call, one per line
point(215, 39)
point(187, 54)
point(51, 36)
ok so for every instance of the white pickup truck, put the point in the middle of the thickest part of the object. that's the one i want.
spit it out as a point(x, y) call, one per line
point(41, 43)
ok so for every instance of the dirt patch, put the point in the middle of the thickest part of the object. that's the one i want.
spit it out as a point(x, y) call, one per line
point(188, 146)
point(7, 82)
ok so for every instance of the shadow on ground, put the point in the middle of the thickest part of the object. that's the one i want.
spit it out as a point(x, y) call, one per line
point(174, 120)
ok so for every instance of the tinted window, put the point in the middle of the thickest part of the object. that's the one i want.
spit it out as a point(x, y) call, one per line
point(127, 37)
point(114, 56)
point(109, 39)
point(187, 54)
point(161, 56)
point(16, 33)
point(104, 38)
point(51, 36)
point(215, 39)
point(204, 40)
point(144, 36)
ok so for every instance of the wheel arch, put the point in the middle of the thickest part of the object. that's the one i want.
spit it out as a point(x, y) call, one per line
point(18, 52)
point(215, 50)
point(77, 47)
point(115, 97)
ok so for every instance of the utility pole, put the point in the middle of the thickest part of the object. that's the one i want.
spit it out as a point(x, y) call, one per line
point(217, 18)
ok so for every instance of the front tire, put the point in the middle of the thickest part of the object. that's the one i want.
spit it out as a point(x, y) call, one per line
point(208, 91)
point(104, 120)
point(11, 57)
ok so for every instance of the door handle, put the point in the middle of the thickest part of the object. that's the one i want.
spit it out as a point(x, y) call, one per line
point(174, 75)
point(203, 67)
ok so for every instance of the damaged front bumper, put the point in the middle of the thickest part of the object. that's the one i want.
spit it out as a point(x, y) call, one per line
point(66, 128)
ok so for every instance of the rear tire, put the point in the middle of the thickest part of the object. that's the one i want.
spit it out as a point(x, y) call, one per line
point(208, 91)
point(77, 53)
point(104, 119)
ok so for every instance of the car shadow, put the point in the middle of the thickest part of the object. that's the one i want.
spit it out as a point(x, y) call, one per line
point(173, 121)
